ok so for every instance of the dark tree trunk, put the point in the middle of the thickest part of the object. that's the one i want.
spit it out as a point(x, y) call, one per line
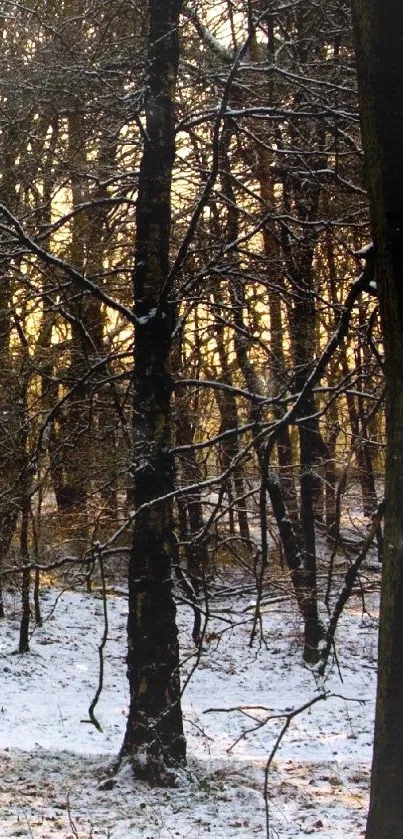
point(190, 509)
point(379, 45)
point(360, 444)
point(227, 403)
point(229, 452)
point(23, 644)
point(302, 576)
point(154, 738)
point(363, 360)
point(278, 371)
point(311, 445)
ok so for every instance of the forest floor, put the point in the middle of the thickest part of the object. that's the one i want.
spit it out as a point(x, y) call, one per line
point(54, 766)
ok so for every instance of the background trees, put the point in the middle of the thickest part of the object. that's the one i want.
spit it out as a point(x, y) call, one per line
point(241, 234)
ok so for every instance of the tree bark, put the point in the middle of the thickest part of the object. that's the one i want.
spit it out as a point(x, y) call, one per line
point(378, 28)
point(154, 738)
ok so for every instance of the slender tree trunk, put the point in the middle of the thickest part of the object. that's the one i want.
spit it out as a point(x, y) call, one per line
point(190, 509)
point(154, 738)
point(23, 644)
point(229, 448)
point(278, 368)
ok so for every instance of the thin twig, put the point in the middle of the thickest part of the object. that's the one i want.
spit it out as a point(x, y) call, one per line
point(92, 717)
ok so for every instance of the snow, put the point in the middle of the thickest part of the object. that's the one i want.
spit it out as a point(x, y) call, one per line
point(144, 319)
point(54, 777)
point(365, 251)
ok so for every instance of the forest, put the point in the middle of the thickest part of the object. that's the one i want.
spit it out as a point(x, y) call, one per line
point(201, 418)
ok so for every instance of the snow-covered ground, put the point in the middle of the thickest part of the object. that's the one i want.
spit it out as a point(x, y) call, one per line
point(54, 769)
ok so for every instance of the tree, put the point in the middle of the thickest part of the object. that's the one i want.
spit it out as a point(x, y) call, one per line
point(267, 206)
point(154, 738)
point(378, 27)
point(288, 170)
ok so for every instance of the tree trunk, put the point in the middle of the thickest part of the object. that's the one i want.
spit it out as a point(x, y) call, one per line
point(154, 738)
point(23, 644)
point(190, 509)
point(378, 30)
